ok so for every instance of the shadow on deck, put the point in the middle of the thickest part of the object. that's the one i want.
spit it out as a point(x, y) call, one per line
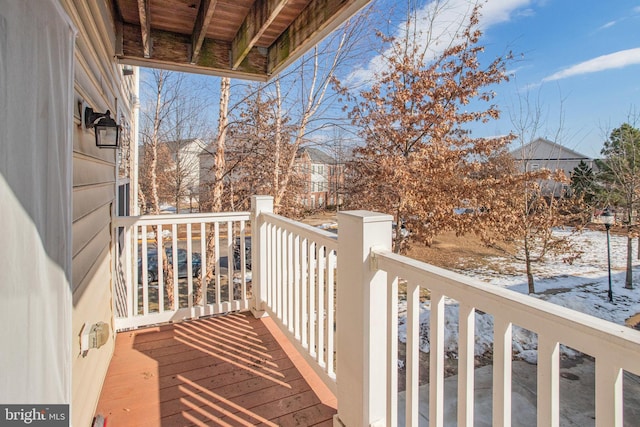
point(227, 370)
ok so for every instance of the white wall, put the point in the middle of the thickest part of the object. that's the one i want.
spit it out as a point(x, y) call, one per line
point(36, 86)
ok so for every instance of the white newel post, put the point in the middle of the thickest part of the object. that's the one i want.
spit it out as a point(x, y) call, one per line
point(361, 319)
point(259, 204)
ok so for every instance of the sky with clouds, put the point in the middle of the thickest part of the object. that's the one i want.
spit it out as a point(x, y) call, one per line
point(579, 60)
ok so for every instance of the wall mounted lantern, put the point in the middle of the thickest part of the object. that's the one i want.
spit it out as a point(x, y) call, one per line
point(106, 129)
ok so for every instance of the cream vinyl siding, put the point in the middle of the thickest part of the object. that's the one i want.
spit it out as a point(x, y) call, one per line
point(98, 82)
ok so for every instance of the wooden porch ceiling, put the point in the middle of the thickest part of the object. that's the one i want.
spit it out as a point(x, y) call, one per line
point(250, 39)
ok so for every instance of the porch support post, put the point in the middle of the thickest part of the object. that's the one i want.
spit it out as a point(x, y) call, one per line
point(361, 320)
point(259, 204)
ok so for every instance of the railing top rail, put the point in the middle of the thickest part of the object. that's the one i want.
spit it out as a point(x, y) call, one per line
point(323, 237)
point(587, 333)
point(167, 219)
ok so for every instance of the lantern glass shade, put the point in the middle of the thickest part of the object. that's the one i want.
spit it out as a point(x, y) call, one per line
point(106, 136)
point(607, 217)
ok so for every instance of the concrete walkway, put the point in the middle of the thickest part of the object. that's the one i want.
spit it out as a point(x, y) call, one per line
point(577, 396)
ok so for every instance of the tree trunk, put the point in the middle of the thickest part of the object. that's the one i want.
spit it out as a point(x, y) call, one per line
point(628, 282)
point(277, 148)
point(218, 187)
point(155, 199)
point(218, 161)
point(527, 259)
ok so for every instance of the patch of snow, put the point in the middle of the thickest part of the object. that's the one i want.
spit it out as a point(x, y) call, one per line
point(580, 286)
point(328, 226)
point(165, 234)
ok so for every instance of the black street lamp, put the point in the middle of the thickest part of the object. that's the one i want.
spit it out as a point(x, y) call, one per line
point(608, 219)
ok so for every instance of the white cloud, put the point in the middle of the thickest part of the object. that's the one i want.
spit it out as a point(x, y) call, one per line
point(608, 25)
point(449, 15)
point(611, 61)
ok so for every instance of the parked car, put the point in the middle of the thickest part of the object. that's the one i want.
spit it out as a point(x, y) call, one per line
point(152, 263)
point(247, 253)
point(403, 230)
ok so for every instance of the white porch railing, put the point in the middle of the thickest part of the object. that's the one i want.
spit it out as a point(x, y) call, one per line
point(143, 295)
point(296, 284)
point(343, 316)
point(368, 333)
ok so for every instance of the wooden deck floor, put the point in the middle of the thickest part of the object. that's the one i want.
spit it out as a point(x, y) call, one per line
point(230, 370)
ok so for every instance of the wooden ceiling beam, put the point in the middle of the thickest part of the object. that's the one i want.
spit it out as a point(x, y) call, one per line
point(205, 13)
point(316, 21)
point(173, 51)
point(144, 11)
point(260, 16)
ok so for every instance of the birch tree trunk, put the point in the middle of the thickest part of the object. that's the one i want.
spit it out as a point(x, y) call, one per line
point(218, 160)
point(154, 145)
point(278, 146)
point(218, 187)
point(167, 268)
point(315, 96)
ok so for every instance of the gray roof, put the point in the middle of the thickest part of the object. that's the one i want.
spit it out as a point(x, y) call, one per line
point(316, 156)
point(543, 149)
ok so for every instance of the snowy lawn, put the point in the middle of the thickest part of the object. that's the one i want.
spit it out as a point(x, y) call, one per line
point(581, 286)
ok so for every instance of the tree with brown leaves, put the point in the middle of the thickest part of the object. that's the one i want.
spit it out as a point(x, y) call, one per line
point(528, 207)
point(419, 161)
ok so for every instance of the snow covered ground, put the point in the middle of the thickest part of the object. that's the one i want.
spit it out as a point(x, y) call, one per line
point(581, 286)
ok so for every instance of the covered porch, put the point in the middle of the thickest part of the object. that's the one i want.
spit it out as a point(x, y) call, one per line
point(334, 299)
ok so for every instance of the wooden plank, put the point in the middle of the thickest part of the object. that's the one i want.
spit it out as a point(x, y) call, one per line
point(609, 401)
point(315, 22)
point(466, 364)
point(392, 349)
point(173, 51)
point(144, 12)
point(548, 382)
point(261, 15)
point(412, 354)
point(146, 388)
point(436, 360)
point(205, 13)
point(502, 338)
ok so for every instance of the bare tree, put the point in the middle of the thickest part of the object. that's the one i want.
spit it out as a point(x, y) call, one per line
point(620, 173)
point(151, 131)
point(534, 196)
point(273, 124)
point(170, 124)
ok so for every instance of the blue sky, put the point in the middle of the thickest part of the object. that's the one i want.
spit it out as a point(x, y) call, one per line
point(581, 58)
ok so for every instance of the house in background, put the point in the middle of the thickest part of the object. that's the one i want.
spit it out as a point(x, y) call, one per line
point(177, 174)
point(544, 154)
point(185, 172)
point(323, 175)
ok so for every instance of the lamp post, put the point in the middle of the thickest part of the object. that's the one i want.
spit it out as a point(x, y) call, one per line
point(608, 219)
